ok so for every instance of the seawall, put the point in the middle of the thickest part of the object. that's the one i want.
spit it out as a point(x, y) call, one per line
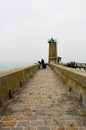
point(74, 79)
point(12, 80)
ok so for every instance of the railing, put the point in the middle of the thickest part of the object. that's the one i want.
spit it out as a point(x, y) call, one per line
point(11, 80)
point(74, 79)
point(81, 65)
point(76, 65)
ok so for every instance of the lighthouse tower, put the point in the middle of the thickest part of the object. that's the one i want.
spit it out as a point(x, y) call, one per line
point(52, 51)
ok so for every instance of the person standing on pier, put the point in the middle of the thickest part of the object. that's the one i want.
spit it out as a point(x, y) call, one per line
point(43, 64)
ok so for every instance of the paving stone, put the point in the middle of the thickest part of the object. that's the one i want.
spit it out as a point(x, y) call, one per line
point(43, 128)
point(30, 128)
point(20, 118)
point(5, 129)
point(83, 128)
point(57, 128)
point(37, 123)
point(9, 124)
point(1, 118)
point(1, 123)
point(50, 122)
point(8, 118)
point(16, 128)
point(23, 123)
point(71, 128)
point(28, 113)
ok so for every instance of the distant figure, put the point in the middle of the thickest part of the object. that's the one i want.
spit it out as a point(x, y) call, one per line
point(42, 61)
point(39, 62)
point(40, 65)
point(43, 64)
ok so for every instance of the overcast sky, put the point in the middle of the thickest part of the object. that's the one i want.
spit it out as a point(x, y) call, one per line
point(26, 26)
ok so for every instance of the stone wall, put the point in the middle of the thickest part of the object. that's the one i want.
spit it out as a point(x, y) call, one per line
point(12, 80)
point(74, 79)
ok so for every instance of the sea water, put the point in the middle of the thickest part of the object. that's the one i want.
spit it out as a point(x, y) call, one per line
point(7, 66)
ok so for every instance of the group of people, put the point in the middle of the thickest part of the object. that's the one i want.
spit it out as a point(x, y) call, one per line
point(42, 64)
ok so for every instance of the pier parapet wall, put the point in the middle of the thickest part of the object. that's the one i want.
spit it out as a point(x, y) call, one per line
point(74, 79)
point(12, 80)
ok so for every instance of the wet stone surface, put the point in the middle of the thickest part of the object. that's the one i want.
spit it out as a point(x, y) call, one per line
point(44, 103)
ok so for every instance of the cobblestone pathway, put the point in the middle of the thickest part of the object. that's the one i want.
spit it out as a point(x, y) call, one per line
point(44, 103)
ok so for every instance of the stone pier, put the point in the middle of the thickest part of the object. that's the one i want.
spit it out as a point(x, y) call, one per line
point(43, 103)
